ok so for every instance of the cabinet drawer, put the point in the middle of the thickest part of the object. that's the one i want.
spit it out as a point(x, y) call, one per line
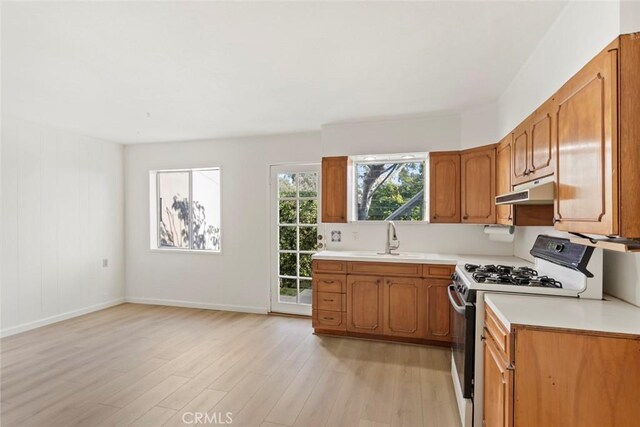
point(329, 266)
point(385, 268)
point(437, 271)
point(330, 301)
point(323, 319)
point(501, 336)
point(335, 283)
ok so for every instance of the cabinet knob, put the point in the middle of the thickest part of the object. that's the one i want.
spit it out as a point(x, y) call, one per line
point(465, 217)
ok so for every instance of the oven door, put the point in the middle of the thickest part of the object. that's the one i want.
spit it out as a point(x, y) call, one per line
point(463, 320)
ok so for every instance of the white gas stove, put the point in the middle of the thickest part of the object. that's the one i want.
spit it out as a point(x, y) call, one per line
point(561, 268)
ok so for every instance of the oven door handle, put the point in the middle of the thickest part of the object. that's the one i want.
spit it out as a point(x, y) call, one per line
point(458, 308)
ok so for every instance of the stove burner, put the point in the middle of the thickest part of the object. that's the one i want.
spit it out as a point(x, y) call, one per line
point(542, 281)
point(471, 267)
point(508, 275)
point(524, 271)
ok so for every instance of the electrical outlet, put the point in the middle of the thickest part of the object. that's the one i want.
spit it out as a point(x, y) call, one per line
point(355, 235)
point(105, 262)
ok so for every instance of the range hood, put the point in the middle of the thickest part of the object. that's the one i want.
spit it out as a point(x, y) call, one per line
point(538, 192)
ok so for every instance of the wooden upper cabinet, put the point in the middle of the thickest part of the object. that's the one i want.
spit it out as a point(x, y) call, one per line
point(403, 312)
point(504, 213)
point(586, 172)
point(541, 144)
point(478, 167)
point(629, 154)
point(444, 187)
point(438, 313)
point(520, 153)
point(334, 189)
point(364, 304)
point(533, 146)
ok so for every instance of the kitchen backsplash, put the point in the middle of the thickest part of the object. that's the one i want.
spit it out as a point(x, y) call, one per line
point(440, 238)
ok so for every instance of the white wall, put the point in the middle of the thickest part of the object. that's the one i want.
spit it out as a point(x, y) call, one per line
point(629, 16)
point(62, 213)
point(392, 135)
point(581, 30)
point(238, 278)
point(479, 126)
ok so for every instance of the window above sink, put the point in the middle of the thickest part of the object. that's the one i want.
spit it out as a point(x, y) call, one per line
point(389, 187)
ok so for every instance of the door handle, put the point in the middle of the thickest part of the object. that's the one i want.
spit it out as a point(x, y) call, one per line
point(458, 308)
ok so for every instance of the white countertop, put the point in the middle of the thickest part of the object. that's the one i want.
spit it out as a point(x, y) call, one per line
point(421, 258)
point(610, 315)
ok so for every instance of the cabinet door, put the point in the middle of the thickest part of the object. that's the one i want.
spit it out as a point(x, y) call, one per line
point(403, 310)
point(334, 189)
point(479, 185)
point(364, 304)
point(444, 187)
point(541, 150)
point(438, 310)
point(497, 388)
point(520, 154)
point(596, 377)
point(586, 148)
point(504, 213)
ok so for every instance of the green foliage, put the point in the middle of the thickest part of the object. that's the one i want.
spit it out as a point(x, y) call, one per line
point(390, 186)
point(298, 230)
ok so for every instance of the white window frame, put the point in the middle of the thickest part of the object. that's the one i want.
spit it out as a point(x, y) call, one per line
point(154, 212)
point(386, 158)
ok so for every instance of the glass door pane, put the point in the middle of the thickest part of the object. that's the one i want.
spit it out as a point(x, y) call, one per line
point(296, 236)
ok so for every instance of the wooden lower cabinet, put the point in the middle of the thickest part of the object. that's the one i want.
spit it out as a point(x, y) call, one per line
point(497, 387)
point(364, 304)
point(559, 377)
point(403, 312)
point(396, 301)
point(438, 310)
point(329, 299)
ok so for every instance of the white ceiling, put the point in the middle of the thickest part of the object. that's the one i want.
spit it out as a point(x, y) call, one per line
point(164, 71)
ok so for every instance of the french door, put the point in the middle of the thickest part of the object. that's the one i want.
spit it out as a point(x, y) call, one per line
point(294, 235)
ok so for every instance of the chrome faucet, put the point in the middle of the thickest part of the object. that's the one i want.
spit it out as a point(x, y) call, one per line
point(392, 242)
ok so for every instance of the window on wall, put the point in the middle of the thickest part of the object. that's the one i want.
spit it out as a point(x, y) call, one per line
point(187, 210)
point(389, 187)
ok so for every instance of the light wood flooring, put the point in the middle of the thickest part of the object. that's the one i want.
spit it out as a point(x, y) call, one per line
point(144, 365)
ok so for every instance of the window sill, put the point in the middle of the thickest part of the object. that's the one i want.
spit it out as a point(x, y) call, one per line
point(185, 251)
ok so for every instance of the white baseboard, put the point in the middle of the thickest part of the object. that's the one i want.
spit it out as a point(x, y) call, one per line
point(190, 304)
point(59, 317)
